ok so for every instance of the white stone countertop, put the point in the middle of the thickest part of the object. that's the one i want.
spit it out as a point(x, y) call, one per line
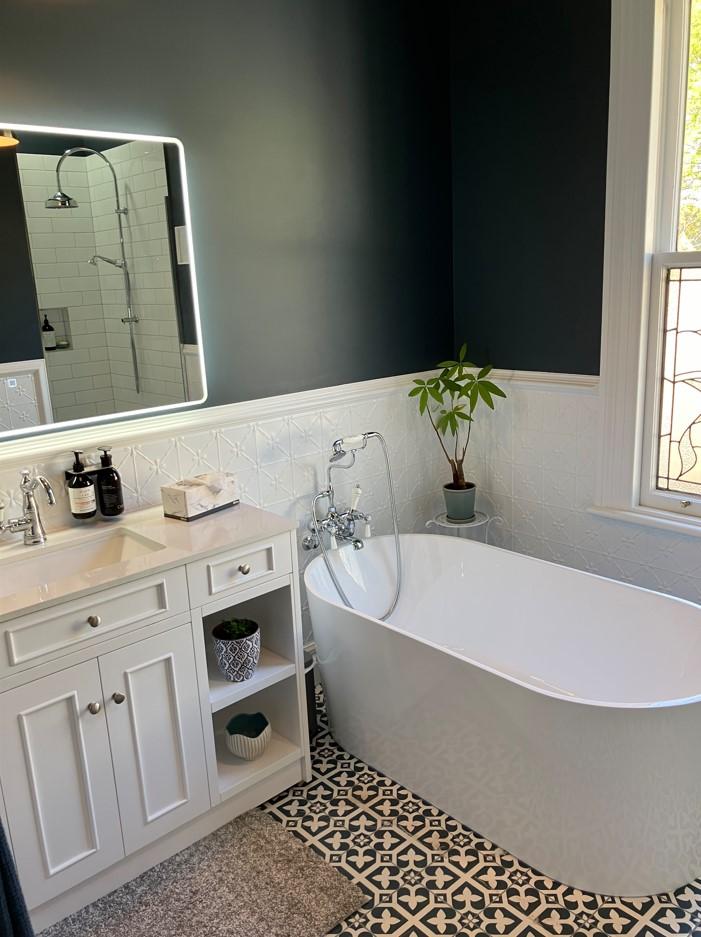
point(174, 543)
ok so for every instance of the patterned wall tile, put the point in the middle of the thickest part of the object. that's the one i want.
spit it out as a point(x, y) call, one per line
point(273, 441)
point(306, 435)
point(197, 453)
point(237, 448)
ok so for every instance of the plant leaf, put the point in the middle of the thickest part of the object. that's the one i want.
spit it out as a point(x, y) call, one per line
point(435, 393)
point(493, 389)
point(423, 401)
point(446, 364)
point(414, 392)
point(484, 394)
point(484, 371)
point(452, 386)
point(462, 352)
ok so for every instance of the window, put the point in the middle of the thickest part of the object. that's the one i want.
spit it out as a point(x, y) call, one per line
point(671, 453)
point(651, 341)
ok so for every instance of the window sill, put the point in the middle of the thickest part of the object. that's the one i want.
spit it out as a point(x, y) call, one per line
point(650, 517)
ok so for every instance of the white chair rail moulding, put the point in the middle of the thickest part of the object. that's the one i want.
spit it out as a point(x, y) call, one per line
point(55, 444)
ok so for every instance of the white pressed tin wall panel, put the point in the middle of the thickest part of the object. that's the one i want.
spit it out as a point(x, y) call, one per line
point(19, 403)
point(536, 465)
point(534, 460)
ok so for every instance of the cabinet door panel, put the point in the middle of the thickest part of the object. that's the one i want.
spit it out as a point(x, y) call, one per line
point(56, 774)
point(156, 735)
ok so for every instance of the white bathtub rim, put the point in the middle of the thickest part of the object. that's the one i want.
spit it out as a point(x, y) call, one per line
point(543, 691)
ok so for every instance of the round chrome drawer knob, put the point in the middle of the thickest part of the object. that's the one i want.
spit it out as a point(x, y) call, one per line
point(118, 698)
point(245, 568)
point(94, 708)
point(94, 620)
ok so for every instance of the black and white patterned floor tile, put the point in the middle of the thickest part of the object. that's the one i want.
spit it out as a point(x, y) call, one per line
point(427, 874)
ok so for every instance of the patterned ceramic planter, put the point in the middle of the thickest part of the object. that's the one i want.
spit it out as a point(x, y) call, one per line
point(248, 735)
point(237, 657)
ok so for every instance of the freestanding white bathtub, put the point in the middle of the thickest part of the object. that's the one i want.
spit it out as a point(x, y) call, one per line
point(555, 712)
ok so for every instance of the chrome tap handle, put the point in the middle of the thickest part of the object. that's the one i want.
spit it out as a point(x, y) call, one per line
point(15, 525)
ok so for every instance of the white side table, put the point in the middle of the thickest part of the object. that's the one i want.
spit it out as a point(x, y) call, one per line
point(464, 529)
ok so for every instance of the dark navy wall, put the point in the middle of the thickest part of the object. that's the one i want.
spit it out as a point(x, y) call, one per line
point(317, 140)
point(529, 90)
point(20, 336)
point(318, 143)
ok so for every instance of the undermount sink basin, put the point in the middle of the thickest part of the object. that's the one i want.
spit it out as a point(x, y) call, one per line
point(29, 567)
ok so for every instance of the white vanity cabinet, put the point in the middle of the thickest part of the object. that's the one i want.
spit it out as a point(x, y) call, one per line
point(112, 754)
point(114, 739)
point(155, 728)
point(57, 781)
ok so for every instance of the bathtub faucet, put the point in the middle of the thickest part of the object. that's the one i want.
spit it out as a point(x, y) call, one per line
point(339, 525)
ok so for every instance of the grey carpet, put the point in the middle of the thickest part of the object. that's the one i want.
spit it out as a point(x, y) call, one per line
point(251, 878)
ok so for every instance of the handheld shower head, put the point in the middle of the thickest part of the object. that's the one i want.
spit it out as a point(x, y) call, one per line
point(348, 444)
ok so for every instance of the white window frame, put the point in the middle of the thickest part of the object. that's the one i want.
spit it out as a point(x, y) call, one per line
point(649, 42)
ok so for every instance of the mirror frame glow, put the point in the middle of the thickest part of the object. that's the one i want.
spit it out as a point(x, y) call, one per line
point(145, 411)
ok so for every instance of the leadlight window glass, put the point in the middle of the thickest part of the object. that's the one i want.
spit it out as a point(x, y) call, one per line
point(676, 314)
point(680, 408)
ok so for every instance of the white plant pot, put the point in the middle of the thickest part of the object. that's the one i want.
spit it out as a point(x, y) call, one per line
point(243, 746)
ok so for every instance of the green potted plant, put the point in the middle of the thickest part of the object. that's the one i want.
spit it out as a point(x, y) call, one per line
point(237, 647)
point(450, 401)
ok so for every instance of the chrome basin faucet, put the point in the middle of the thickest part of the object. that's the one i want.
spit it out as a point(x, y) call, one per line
point(30, 522)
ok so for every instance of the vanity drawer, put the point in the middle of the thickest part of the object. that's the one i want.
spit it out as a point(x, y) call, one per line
point(228, 572)
point(62, 627)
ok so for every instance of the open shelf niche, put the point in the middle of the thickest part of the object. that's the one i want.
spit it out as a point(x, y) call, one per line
point(278, 703)
point(272, 690)
point(273, 612)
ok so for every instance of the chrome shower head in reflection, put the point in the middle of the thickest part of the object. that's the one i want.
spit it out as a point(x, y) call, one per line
point(60, 200)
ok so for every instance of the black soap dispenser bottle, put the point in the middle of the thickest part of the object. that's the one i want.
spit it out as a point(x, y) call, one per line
point(109, 486)
point(48, 335)
point(81, 491)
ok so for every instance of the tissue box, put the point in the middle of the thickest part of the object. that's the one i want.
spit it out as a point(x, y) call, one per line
point(191, 498)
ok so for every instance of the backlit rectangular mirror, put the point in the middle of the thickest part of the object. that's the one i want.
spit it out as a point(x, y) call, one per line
point(98, 296)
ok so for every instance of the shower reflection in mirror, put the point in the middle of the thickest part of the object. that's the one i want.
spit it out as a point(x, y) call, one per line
point(116, 317)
